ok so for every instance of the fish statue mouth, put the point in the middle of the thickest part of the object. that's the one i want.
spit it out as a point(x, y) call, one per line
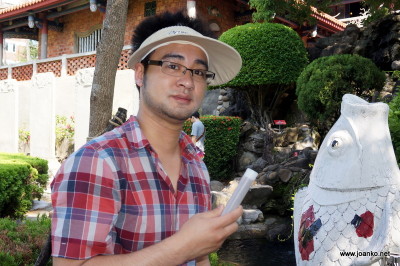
point(335, 196)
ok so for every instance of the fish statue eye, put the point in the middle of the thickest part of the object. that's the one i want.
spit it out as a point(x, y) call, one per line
point(338, 142)
point(334, 143)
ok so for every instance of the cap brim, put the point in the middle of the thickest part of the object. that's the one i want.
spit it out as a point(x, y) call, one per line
point(225, 61)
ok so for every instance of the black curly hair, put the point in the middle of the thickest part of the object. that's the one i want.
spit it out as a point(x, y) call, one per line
point(167, 19)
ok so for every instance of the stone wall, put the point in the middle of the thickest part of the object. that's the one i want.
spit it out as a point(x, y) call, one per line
point(378, 41)
point(283, 158)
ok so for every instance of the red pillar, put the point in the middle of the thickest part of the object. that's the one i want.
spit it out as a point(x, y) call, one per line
point(43, 39)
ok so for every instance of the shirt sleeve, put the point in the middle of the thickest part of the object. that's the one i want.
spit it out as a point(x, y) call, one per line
point(86, 201)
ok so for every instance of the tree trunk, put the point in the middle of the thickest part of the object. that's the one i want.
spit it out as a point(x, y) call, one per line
point(107, 58)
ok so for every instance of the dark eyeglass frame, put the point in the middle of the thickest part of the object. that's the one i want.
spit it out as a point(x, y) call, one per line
point(208, 75)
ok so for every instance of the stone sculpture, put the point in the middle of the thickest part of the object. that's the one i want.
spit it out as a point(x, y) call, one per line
point(350, 212)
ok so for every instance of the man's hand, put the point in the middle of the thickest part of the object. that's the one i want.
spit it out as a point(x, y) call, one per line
point(200, 235)
point(206, 232)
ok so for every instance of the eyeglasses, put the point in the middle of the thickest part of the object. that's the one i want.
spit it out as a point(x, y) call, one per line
point(178, 70)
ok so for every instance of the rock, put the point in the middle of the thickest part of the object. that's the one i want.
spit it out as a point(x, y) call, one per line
point(396, 65)
point(216, 185)
point(248, 231)
point(246, 159)
point(291, 135)
point(232, 186)
point(282, 153)
point(219, 198)
point(257, 195)
point(299, 162)
point(378, 41)
point(272, 167)
point(262, 179)
point(252, 216)
point(278, 231)
point(284, 175)
point(258, 165)
point(255, 143)
point(225, 98)
point(210, 102)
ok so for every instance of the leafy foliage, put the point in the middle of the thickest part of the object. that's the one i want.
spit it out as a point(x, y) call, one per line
point(322, 84)
point(222, 138)
point(65, 129)
point(215, 261)
point(20, 243)
point(22, 178)
point(265, 59)
point(394, 125)
point(273, 57)
point(298, 11)
point(24, 136)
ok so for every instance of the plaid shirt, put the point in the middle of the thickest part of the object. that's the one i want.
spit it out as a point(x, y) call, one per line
point(112, 196)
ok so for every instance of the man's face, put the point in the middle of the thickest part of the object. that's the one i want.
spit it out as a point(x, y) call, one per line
point(172, 98)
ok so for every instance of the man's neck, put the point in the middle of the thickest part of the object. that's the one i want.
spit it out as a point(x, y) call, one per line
point(162, 135)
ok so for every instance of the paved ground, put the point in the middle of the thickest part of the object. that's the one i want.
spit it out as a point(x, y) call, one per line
point(42, 206)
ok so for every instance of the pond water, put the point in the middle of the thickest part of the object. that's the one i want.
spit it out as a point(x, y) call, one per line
point(258, 252)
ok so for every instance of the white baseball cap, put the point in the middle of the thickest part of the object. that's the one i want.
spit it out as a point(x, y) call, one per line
point(224, 60)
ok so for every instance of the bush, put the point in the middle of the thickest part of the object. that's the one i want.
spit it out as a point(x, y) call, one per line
point(322, 84)
point(22, 178)
point(265, 59)
point(273, 57)
point(222, 138)
point(394, 125)
point(20, 243)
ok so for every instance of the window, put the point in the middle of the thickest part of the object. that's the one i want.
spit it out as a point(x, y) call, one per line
point(88, 41)
point(150, 8)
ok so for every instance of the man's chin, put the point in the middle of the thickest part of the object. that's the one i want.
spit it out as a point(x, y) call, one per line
point(179, 117)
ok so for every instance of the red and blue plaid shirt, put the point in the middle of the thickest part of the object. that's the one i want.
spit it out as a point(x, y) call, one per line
point(112, 196)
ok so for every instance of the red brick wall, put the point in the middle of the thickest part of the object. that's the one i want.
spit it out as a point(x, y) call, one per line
point(63, 42)
point(226, 9)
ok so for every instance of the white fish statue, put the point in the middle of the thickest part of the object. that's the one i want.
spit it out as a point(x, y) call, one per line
point(350, 212)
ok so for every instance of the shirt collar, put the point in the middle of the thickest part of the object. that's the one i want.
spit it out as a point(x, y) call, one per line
point(135, 136)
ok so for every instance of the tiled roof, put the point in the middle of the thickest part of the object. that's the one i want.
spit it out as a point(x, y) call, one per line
point(328, 19)
point(19, 6)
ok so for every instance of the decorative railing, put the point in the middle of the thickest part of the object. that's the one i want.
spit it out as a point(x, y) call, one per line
point(60, 66)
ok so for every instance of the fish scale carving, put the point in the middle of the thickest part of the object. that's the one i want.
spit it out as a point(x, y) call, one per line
point(353, 192)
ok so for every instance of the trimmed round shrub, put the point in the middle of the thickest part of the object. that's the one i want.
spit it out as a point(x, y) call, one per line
point(22, 179)
point(272, 54)
point(322, 84)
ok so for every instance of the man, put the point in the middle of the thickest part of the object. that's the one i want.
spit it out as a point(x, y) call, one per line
point(139, 193)
point(198, 131)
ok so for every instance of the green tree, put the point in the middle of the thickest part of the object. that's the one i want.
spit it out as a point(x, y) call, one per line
point(394, 125)
point(33, 49)
point(322, 84)
point(298, 11)
point(273, 57)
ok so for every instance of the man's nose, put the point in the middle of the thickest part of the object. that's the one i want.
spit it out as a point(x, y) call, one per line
point(187, 79)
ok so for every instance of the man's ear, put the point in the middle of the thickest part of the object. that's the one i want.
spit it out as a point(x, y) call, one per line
point(139, 74)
